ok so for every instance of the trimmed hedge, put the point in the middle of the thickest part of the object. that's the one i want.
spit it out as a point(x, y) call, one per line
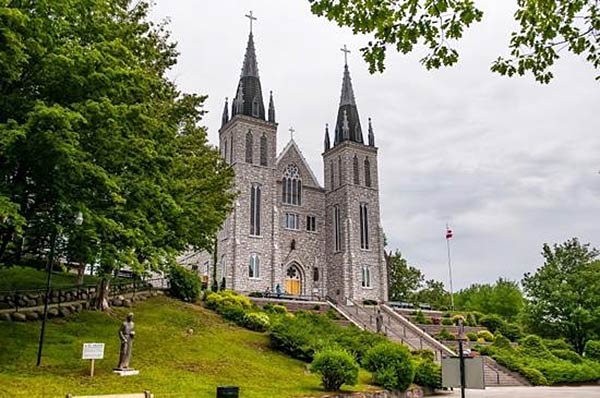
point(336, 367)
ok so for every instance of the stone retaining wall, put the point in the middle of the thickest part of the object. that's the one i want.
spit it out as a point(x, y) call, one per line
point(293, 305)
point(412, 392)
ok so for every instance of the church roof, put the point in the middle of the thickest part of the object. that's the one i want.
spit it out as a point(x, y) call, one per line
point(292, 146)
point(347, 127)
point(248, 99)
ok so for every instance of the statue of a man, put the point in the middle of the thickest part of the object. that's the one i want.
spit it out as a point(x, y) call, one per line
point(126, 334)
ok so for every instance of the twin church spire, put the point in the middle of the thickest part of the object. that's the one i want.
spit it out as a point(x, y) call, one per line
point(248, 100)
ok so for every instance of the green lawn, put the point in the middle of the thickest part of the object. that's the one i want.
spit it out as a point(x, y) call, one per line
point(30, 278)
point(172, 363)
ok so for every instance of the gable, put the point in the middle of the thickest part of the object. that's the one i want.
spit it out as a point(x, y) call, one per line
point(291, 154)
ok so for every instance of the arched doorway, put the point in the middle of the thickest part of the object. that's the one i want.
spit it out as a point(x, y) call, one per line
point(293, 280)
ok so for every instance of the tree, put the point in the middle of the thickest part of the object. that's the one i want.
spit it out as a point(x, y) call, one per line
point(564, 294)
point(89, 122)
point(545, 28)
point(404, 280)
point(503, 298)
point(434, 294)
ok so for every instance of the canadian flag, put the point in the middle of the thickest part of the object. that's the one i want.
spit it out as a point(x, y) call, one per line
point(448, 233)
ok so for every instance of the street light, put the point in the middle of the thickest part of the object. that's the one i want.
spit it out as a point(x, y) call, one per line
point(78, 221)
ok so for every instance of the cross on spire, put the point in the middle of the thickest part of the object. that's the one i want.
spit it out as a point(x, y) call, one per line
point(345, 51)
point(252, 18)
point(292, 131)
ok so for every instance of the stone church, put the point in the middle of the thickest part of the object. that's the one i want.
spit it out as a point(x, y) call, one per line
point(286, 232)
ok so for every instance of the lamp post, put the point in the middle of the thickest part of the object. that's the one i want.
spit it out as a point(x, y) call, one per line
point(78, 221)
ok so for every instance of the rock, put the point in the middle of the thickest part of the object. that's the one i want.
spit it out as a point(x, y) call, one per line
point(77, 307)
point(4, 306)
point(31, 303)
point(68, 296)
point(18, 317)
point(64, 312)
point(120, 297)
point(5, 316)
point(22, 302)
point(127, 303)
point(53, 313)
point(83, 296)
point(117, 303)
point(32, 316)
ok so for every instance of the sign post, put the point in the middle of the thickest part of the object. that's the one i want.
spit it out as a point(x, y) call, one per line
point(93, 351)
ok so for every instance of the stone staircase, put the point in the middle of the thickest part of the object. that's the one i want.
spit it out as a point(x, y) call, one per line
point(398, 328)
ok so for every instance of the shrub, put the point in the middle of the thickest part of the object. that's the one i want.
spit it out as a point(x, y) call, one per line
point(256, 321)
point(485, 335)
point(477, 315)
point(217, 301)
point(533, 346)
point(444, 334)
point(316, 307)
point(491, 322)
point(501, 342)
point(256, 294)
point(223, 284)
point(332, 314)
point(567, 355)
point(336, 367)
point(184, 284)
point(214, 286)
point(369, 302)
point(456, 318)
point(472, 336)
point(420, 318)
point(511, 331)
point(534, 376)
point(275, 309)
point(447, 322)
point(428, 374)
point(557, 344)
point(424, 354)
point(471, 320)
point(391, 366)
point(592, 350)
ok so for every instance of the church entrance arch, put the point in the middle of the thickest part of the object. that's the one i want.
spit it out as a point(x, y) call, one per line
point(293, 280)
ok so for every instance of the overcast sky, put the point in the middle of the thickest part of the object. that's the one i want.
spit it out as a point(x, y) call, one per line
point(509, 163)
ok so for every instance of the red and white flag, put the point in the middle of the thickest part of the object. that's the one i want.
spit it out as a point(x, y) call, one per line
point(448, 233)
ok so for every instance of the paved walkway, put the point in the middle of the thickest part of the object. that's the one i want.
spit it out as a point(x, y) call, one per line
point(529, 392)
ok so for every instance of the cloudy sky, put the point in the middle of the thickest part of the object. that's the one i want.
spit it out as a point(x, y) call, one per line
point(510, 164)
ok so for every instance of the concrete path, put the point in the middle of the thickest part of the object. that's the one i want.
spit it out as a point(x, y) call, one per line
point(529, 392)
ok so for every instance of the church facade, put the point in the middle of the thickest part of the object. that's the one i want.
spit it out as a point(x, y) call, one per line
point(287, 232)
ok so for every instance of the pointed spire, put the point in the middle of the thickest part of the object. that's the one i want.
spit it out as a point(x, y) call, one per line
point(225, 117)
point(248, 100)
point(271, 108)
point(371, 135)
point(327, 142)
point(347, 127)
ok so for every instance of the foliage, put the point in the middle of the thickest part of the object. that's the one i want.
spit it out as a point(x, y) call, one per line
point(534, 376)
point(428, 374)
point(169, 356)
point(592, 350)
point(503, 298)
point(218, 301)
point(472, 336)
point(564, 294)
point(434, 294)
point(512, 331)
point(90, 123)
point(307, 333)
point(545, 28)
point(568, 355)
point(557, 344)
point(256, 321)
point(444, 334)
point(421, 318)
point(423, 354)
point(369, 302)
point(486, 335)
point(336, 367)
point(447, 322)
point(491, 322)
point(391, 365)
point(403, 280)
point(275, 308)
point(184, 284)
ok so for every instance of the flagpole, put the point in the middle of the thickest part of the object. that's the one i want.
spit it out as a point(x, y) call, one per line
point(450, 268)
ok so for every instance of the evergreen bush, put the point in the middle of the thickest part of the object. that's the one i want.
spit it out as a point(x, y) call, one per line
point(444, 334)
point(391, 365)
point(511, 331)
point(472, 336)
point(256, 321)
point(567, 355)
point(486, 335)
point(491, 322)
point(336, 367)
point(592, 350)
point(184, 284)
point(428, 374)
point(421, 319)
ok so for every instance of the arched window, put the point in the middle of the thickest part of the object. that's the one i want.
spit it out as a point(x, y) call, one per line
point(367, 172)
point(355, 167)
point(332, 175)
point(254, 266)
point(364, 226)
point(249, 145)
point(339, 171)
point(366, 276)
point(255, 107)
point(225, 152)
point(263, 150)
point(337, 228)
point(231, 150)
point(291, 186)
point(255, 193)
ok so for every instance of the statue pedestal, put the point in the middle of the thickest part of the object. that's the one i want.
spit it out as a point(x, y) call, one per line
point(126, 372)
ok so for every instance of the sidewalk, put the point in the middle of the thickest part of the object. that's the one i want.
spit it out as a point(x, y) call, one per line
point(529, 392)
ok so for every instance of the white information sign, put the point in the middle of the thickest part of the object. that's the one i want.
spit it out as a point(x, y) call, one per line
point(93, 351)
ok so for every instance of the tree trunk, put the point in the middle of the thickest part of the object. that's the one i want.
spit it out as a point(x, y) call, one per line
point(80, 273)
point(103, 292)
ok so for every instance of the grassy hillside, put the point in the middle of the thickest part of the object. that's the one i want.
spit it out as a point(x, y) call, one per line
point(171, 362)
point(30, 278)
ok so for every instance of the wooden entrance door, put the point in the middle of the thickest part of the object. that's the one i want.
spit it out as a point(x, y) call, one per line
point(293, 281)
